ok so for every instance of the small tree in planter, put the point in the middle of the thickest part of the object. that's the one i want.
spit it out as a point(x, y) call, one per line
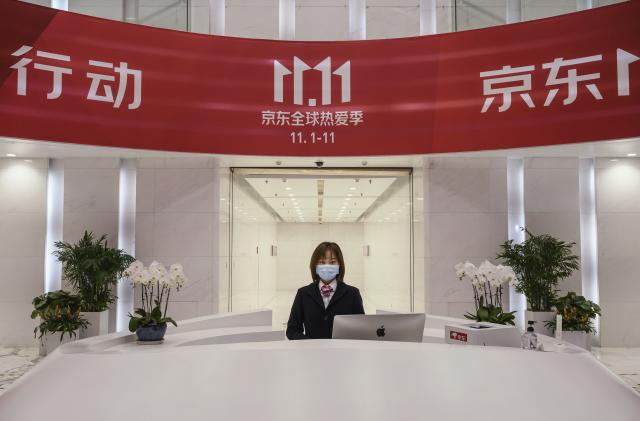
point(59, 312)
point(578, 314)
point(487, 281)
point(540, 262)
point(92, 269)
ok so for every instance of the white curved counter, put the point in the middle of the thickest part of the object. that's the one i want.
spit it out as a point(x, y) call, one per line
point(234, 367)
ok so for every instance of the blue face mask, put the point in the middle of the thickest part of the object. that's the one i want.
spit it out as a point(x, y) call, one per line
point(327, 272)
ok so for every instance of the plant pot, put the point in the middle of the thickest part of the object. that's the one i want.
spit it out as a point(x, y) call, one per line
point(51, 341)
point(98, 323)
point(540, 317)
point(153, 333)
point(577, 338)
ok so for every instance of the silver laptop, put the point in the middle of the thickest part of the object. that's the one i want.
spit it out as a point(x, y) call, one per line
point(379, 327)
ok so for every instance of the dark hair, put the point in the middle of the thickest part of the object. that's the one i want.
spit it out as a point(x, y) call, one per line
point(319, 253)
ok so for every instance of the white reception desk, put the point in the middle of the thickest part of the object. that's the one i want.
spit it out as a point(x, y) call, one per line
point(235, 367)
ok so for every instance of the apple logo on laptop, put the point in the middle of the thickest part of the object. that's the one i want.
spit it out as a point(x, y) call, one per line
point(380, 331)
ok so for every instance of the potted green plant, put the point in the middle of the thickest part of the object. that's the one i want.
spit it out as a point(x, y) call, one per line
point(92, 269)
point(487, 281)
point(540, 263)
point(59, 312)
point(149, 322)
point(578, 314)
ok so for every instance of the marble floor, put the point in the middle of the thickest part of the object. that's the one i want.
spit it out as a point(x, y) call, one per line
point(14, 362)
point(624, 362)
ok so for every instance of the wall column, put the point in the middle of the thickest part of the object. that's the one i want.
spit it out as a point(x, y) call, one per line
point(287, 19)
point(217, 22)
point(589, 235)
point(428, 18)
point(130, 9)
point(357, 19)
point(514, 11)
point(584, 4)
point(55, 212)
point(515, 221)
point(60, 4)
point(126, 236)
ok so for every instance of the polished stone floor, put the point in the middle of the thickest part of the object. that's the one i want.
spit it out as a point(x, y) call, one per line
point(624, 362)
point(14, 362)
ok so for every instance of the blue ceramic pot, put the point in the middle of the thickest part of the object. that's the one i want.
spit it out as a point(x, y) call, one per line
point(151, 333)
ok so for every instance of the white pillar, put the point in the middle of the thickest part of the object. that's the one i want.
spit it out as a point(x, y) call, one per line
point(130, 10)
point(357, 19)
point(428, 17)
point(514, 11)
point(515, 221)
point(287, 19)
point(55, 212)
point(126, 235)
point(217, 9)
point(584, 4)
point(60, 4)
point(589, 234)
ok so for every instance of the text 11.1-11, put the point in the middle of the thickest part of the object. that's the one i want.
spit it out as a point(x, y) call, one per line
point(324, 137)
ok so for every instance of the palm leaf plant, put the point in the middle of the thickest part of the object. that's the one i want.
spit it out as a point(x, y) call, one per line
point(540, 263)
point(92, 269)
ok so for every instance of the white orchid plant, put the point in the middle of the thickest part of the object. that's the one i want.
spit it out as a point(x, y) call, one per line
point(487, 281)
point(156, 283)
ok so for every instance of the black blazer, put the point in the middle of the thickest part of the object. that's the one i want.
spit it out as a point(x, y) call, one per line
point(310, 320)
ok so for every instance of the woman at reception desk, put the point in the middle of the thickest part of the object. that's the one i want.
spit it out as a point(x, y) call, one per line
point(328, 295)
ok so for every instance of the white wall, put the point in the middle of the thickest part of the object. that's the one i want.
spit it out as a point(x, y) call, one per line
point(178, 220)
point(618, 213)
point(322, 19)
point(91, 203)
point(552, 205)
point(466, 209)
point(23, 198)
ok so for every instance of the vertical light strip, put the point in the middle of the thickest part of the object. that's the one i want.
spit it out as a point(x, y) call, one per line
point(514, 11)
point(55, 212)
point(217, 17)
point(515, 221)
point(126, 235)
point(287, 19)
point(60, 4)
point(357, 19)
point(589, 234)
point(584, 4)
point(428, 17)
point(130, 10)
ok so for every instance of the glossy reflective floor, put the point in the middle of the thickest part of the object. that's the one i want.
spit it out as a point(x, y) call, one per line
point(624, 362)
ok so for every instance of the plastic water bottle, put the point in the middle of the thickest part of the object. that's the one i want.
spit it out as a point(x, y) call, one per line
point(529, 338)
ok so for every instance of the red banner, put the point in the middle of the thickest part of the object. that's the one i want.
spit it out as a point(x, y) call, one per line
point(71, 78)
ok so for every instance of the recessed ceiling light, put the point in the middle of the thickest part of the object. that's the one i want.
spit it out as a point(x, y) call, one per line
point(291, 194)
point(629, 154)
point(352, 188)
point(27, 160)
point(287, 188)
point(613, 160)
point(11, 155)
point(418, 198)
